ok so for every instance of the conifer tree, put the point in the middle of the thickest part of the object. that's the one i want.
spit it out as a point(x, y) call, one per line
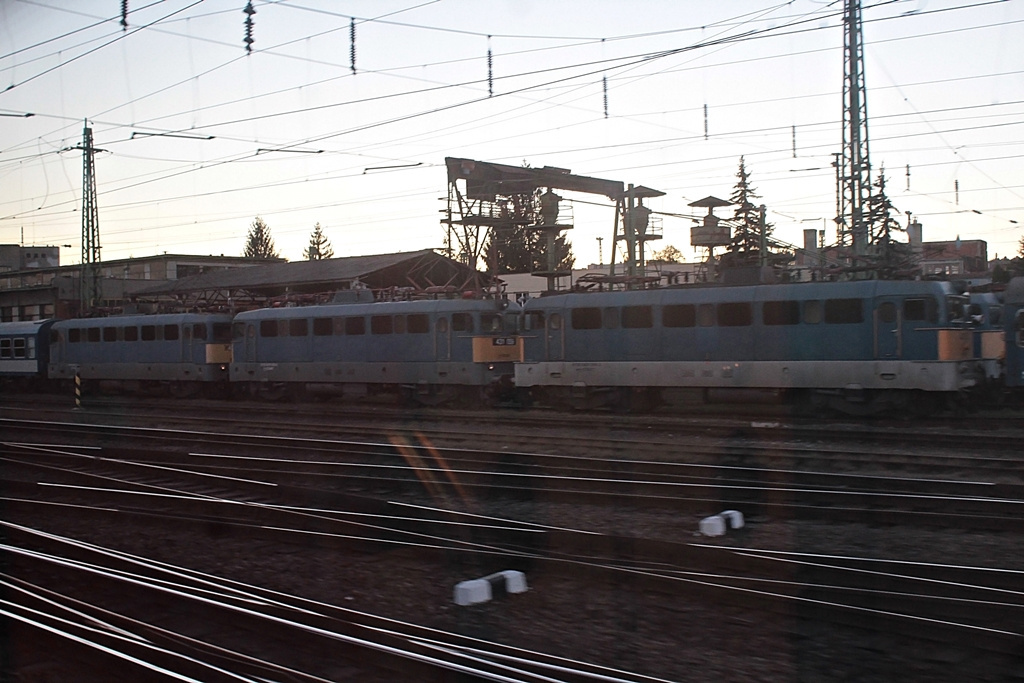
point(259, 243)
point(746, 239)
point(319, 245)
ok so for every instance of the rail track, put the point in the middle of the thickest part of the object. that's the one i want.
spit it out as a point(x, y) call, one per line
point(619, 530)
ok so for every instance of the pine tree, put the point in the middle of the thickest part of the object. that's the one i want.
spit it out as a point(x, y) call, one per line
point(259, 243)
point(516, 248)
point(319, 246)
point(746, 239)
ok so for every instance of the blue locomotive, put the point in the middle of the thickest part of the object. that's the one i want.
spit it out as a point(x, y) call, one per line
point(183, 352)
point(1013, 317)
point(860, 347)
point(430, 351)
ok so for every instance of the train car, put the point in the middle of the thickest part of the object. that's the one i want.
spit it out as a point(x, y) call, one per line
point(984, 317)
point(185, 353)
point(24, 352)
point(1013, 317)
point(430, 351)
point(860, 347)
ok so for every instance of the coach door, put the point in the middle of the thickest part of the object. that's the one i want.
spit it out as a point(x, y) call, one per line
point(443, 340)
point(888, 329)
point(556, 337)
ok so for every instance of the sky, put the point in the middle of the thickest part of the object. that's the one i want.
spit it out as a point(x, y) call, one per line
point(199, 136)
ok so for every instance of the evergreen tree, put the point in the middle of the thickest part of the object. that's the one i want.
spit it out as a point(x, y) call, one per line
point(259, 243)
point(516, 248)
point(668, 255)
point(319, 246)
point(746, 240)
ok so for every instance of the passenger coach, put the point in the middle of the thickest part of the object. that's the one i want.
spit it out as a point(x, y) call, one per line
point(430, 350)
point(184, 352)
point(24, 352)
point(857, 346)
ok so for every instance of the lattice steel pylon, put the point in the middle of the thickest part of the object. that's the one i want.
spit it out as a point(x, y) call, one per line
point(90, 286)
point(854, 171)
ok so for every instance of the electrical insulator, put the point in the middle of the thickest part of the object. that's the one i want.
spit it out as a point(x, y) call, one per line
point(352, 43)
point(249, 11)
point(124, 15)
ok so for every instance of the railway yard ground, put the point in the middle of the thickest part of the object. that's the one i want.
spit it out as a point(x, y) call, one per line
point(223, 541)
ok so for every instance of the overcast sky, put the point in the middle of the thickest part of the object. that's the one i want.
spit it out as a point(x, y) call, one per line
point(291, 134)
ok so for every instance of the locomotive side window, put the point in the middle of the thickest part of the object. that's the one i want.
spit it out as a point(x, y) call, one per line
point(298, 327)
point(323, 327)
point(781, 313)
point(74, 335)
point(268, 328)
point(706, 315)
point(679, 315)
point(611, 318)
point(131, 333)
point(93, 334)
point(462, 322)
point(418, 323)
point(380, 324)
point(149, 332)
point(734, 314)
point(355, 325)
point(637, 317)
point(586, 318)
point(844, 311)
point(887, 312)
point(199, 330)
point(400, 324)
point(110, 334)
point(921, 309)
point(170, 332)
point(812, 312)
point(238, 331)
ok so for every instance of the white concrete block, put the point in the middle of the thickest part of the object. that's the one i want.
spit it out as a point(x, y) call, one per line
point(472, 592)
point(513, 581)
point(734, 517)
point(713, 526)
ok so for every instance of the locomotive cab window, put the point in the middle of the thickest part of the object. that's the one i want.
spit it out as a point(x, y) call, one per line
point(995, 316)
point(924, 310)
point(956, 308)
point(199, 330)
point(490, 322)
point(462, 322)
point(534, 320)
point(222, 333)
point(238, 331)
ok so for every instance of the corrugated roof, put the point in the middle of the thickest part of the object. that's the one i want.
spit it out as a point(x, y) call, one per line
point(293, 274)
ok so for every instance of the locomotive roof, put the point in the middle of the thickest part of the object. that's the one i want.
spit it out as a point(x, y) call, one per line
point(146, 319)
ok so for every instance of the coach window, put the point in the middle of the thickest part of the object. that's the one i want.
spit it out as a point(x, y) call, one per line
point(268, 328)
point(706, 315)
point(381, 324)
point(844, 311)
point(637, 317)
point(812, 312)
point(611, 318)
point(781, 313)
point(323, 327)
point(298, 327)
point(734, 314)
point(355, 325)
point(462, 322)
point(93, 334)
point(586, 318)
point(417, 323)
point(679, 315)
point(199, 330)
point(5, 348)
point(19, 347)
point(131, 334)
point(74, 335)
point(30, 347)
